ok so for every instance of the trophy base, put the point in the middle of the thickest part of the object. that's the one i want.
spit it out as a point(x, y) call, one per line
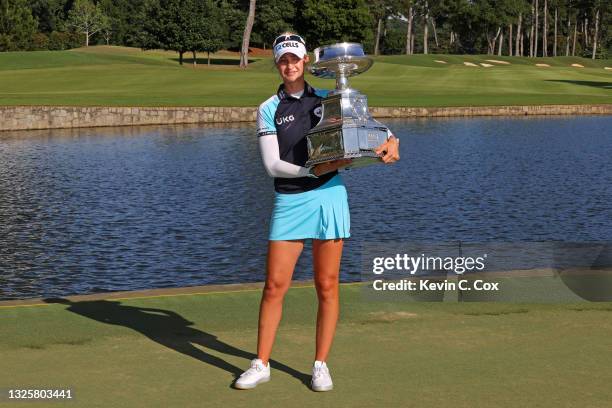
point(346, 131)
point(361, 159)
point(346, 142)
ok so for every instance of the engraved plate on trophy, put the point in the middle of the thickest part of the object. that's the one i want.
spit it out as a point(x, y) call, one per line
point(346, 129)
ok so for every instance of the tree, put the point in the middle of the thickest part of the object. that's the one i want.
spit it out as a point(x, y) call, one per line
point(466, 26)
point(568, 33)
point(515, 10)
point(490, 20)
point(204, 27)
point(425, 26)
point(600, 12)
point(87, 18)
point(409, 6)
point(574, 40)
point(394, 39)
point(555, 32)
point(379, 27)
point(385, 12)
point(335, 21)
point(234, 15)
point(596, 33)
point(163, 26)
point(273, 18)
point(48, 13)
point(535, 28)
point(126, 21)
point(246, 36)
point(107, 30)
point(380, 10)
point(545, 30)
point(582, 27)
point(518, 43)
point(17, 25)
point(182, 25)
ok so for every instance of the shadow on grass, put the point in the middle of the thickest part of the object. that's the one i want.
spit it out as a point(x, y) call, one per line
point(213, 61)
point(594, 84)
point(168, 329)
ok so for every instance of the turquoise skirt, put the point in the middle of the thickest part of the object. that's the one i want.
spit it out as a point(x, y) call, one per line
point(322, 213)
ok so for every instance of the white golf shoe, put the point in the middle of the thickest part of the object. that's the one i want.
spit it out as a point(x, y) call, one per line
point(258, 373)
point(321, 380)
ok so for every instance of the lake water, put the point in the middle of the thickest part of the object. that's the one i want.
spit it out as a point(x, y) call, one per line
point(94, 210)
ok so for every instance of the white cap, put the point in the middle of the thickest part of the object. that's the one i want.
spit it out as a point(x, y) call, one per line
point(290, 43)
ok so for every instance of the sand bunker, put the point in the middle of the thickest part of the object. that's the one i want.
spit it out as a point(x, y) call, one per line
point(542, 65)
point(577, 65)
point(469, 64)
point(498, 61)
point(486, 65)
point(608, 68)
point(440, 61)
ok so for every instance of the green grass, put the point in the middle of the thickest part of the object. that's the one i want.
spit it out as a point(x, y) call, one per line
point(120, 76)
point(430, 60)
point(185, 351)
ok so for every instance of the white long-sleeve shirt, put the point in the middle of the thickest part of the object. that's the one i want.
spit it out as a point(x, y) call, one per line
point(275, 167)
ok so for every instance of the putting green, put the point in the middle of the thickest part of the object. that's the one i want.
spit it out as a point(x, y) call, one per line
point(120, 76)
point(185, 350)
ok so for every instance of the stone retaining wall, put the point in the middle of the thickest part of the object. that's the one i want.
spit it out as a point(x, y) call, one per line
point(55, 117)
point(407, 112)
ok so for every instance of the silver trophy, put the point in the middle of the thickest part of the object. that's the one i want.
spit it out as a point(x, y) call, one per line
point(346, 129)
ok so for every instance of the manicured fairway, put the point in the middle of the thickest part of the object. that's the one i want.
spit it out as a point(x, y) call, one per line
point(184, 351)
point(118, 76)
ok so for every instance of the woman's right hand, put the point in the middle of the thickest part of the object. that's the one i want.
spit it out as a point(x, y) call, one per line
point(327, 167)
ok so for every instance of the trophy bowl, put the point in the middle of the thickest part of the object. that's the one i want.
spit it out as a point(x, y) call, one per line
point(346, 129)
point(347, 59)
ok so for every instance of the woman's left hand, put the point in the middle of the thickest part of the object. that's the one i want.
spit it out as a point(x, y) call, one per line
point(389, 151)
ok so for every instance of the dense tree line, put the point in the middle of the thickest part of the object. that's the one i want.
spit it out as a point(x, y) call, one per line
point(497, 27)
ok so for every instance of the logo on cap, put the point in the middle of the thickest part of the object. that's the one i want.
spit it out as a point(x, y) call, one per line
point(291, 44)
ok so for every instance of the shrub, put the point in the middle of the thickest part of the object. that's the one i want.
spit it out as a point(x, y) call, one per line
point(5, 43)
point(39, 42)
point(61, 40)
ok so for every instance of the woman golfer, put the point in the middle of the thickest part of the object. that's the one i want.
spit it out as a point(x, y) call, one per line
point(310, 203)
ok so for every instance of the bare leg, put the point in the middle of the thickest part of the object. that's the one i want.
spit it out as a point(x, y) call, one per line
point(327, 255)
point(282, 257)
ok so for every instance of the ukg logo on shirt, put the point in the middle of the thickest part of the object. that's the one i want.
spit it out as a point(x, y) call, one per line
point(284, 120)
